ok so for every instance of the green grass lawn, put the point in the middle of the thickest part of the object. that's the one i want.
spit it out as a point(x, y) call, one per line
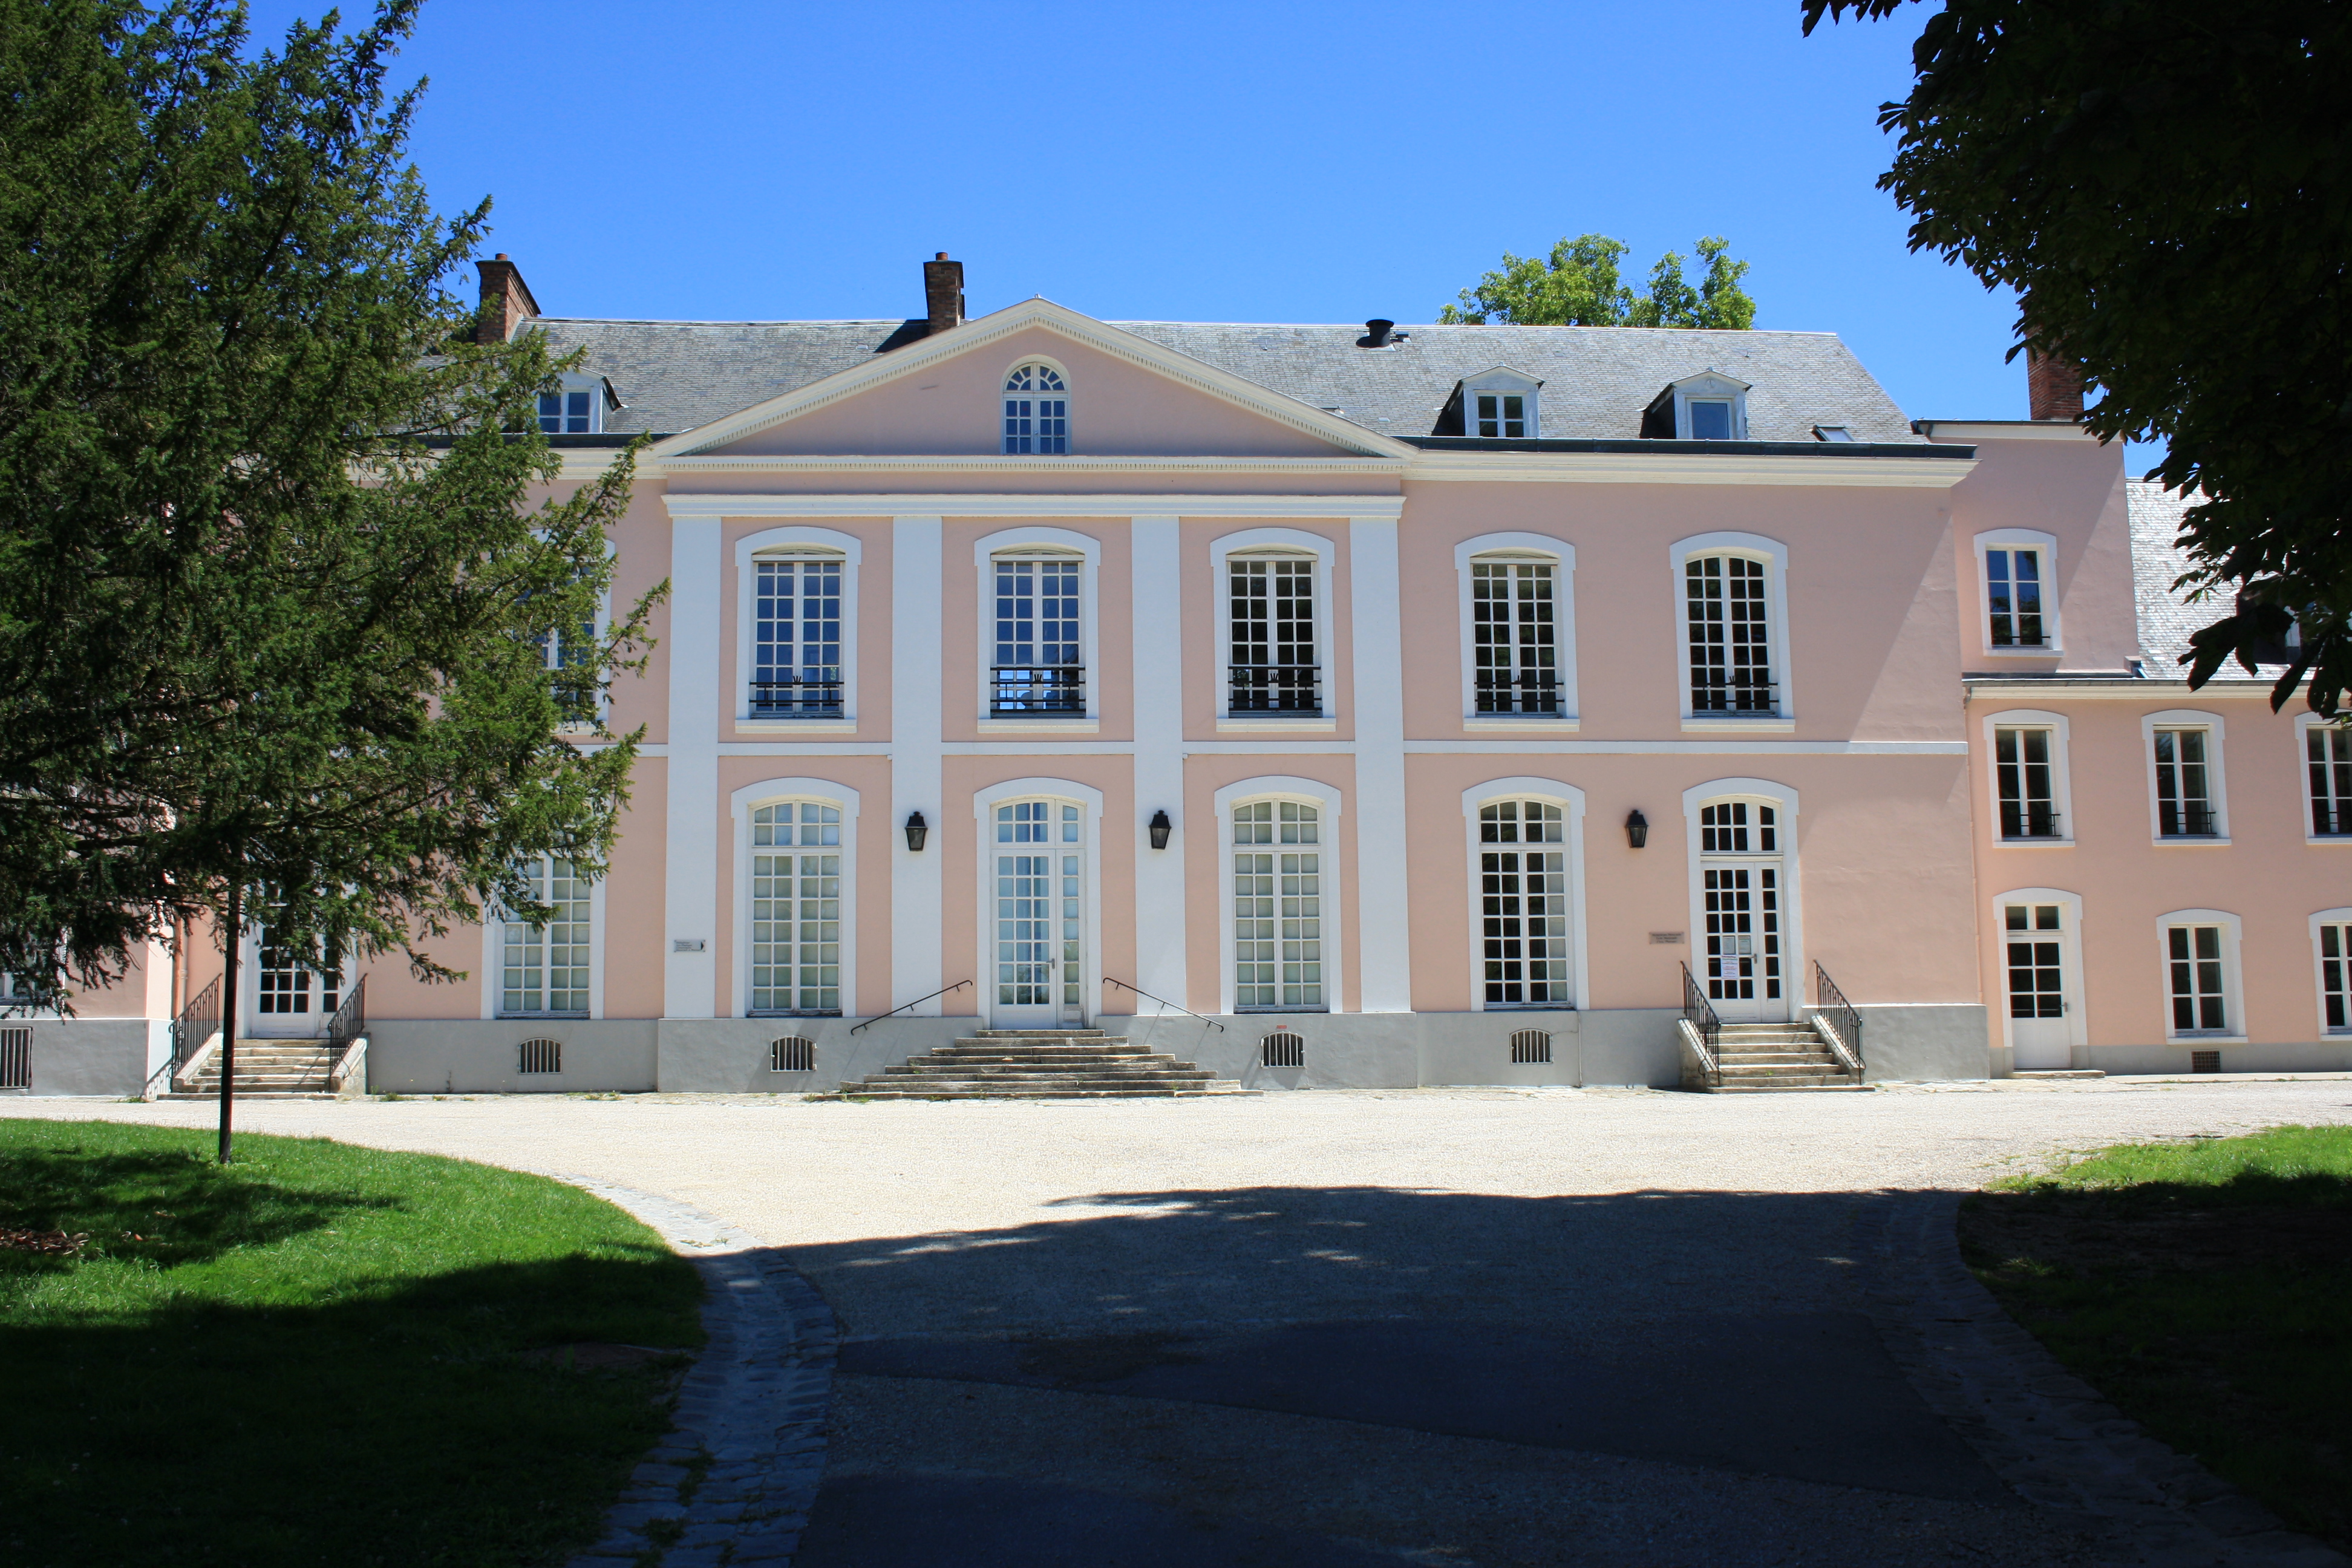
point(2205, 1287)
point(320, 1354)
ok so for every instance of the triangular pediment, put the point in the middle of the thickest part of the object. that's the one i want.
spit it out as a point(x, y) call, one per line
point(938, 396)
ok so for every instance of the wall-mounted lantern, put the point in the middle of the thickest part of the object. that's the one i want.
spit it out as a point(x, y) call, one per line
point(1637, 829)
point(1160, 827)
point(917, 829)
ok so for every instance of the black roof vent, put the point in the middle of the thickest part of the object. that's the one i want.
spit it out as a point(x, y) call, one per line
point(1381, 334)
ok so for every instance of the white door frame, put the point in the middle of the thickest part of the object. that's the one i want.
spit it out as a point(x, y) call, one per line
point(1783, 800)
point(2069, 962)
point(1062, 791)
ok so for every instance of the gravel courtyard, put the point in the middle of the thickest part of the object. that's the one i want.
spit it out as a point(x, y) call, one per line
point(1470, 1326)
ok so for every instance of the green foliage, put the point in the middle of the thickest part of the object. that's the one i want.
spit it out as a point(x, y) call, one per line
point(2166, 187)
point(320, 1354)
point(1579, 285)
point(2290, 1165)
point(273, 602)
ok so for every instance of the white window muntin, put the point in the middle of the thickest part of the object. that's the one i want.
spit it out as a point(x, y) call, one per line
point(2061, 783)
point(2331, 957)
point(1721, 414)
point(1275, 544)
point(1570, 802)
point(801, 543)
point(1533, 549)
point(1501, 405)
point(2070, 907)
point(2162, 786)
point(1326, 799)
point(577, 408)
point(743, 804)
point(1059, 792)
point(1274, 861)
point(1794, 971)
point(2044, 548)
point(2193, 970)
point(1774, 557)
point(1036, 409)
point(560, 945)
point(1040, 542)
point(2324, 753)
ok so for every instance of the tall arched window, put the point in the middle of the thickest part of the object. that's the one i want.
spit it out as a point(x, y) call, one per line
point(1522, 904)
point(1277, 906)
point(1036, 410)
point(544, 970)
point(1040, 914)
point(1514, 632)
point(1729, 621)
point(796, 909)
point(1039, 664)
point(1741, 879)
point(796, 667)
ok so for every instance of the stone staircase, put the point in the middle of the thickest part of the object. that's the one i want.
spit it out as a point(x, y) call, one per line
point(1771, 1059)
point(1038, 1064)
point(266, 1069)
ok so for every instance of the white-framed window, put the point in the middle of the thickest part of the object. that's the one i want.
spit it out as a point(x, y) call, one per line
point(1732, 615)
point(2016, 574)
point(2201, 993)
point(1040, 887)
point(2326, 776)
point(1518, 646)
point(1504, 415)
point(286, 984)
point(796, 909)
point(1746, 943)
point(1709, 406)
point(2029, 782)
point(2040, 958)
point(1038, 627)
point(2331, 952)
point(1277, 891)
point(575, 408)
point(796, 629)
point(1272, 596)
point(548, 971)
point(2187, 801)
point(569, 655)
point(1525, 954)
point(1036, 409)
point(1499, 404)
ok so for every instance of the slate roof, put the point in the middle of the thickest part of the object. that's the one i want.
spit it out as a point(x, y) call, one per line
point(2165, 617)
point(679, 376)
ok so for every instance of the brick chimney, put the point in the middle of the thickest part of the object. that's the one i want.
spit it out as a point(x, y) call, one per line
point(943, 292)
point(507, 303)
point(2054, 387)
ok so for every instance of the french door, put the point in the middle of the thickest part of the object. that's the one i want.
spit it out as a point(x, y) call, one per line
point(1743, 910)
point(285, 998)
point(1038, 871)
point(2034, 944)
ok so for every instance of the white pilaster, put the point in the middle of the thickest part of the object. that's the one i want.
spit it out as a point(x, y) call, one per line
point(1383, 928)
point(689, 980)
point(1155, 608)
point(918, 908)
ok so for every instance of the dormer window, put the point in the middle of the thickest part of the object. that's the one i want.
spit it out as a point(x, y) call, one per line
point(1709, 406)
point(1503, 414)
point(1036, 410)
point(1497, 404)
point(577, 408)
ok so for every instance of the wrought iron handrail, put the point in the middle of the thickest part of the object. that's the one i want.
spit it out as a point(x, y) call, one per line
point(349, 1021)
point(1845, 1023)
point(916, 1003)
point(1534, 692)
point(2029, 821)
point(1037, 688)
point(1277, 688)
point(1164, 1001)
point(1713, 692)
point(2177, 821)
point(199, 1021)
point(784, 698)
point(1699, 1014)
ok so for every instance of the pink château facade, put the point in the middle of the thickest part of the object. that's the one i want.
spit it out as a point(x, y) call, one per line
point(1441, 695)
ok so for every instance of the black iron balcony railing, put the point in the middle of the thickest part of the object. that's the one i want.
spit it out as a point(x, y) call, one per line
point(1530, 691)
point(2028, 820)
point(2330, 821)
point(795, 700)
point(1277, 689)
point(1037, 688)
point(1715, 691)
point(2176, 820)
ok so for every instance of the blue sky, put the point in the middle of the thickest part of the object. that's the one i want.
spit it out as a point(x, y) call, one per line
point(1205, 162)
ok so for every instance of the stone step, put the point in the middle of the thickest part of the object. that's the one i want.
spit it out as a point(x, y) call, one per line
point(1017, 1071)
point(245, 1094)
point(1041, 1052)
point(1791, 1085)
point(1039, 1034)
point(861, 1091)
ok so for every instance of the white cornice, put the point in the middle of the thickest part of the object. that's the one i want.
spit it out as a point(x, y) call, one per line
point(1389, 507)
point(1043, 314)
point(1964, 431)
point(2114, 688)
point(1691, 469)
point(996, 463)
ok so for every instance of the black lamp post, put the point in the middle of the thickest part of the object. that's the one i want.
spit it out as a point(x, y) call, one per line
point(1637, 829)
point(1159, 829)
point(917, 828)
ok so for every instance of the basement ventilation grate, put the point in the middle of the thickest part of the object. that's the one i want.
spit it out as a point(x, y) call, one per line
point(2204, 1061)
point(793, 1053)
point(1531, 1046)
point(1284, 1049)
point(542, 1056)
point(15, 1058)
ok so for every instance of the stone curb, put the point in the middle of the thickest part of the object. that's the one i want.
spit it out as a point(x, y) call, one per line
point(732, 1485)
point(2039, 1427)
